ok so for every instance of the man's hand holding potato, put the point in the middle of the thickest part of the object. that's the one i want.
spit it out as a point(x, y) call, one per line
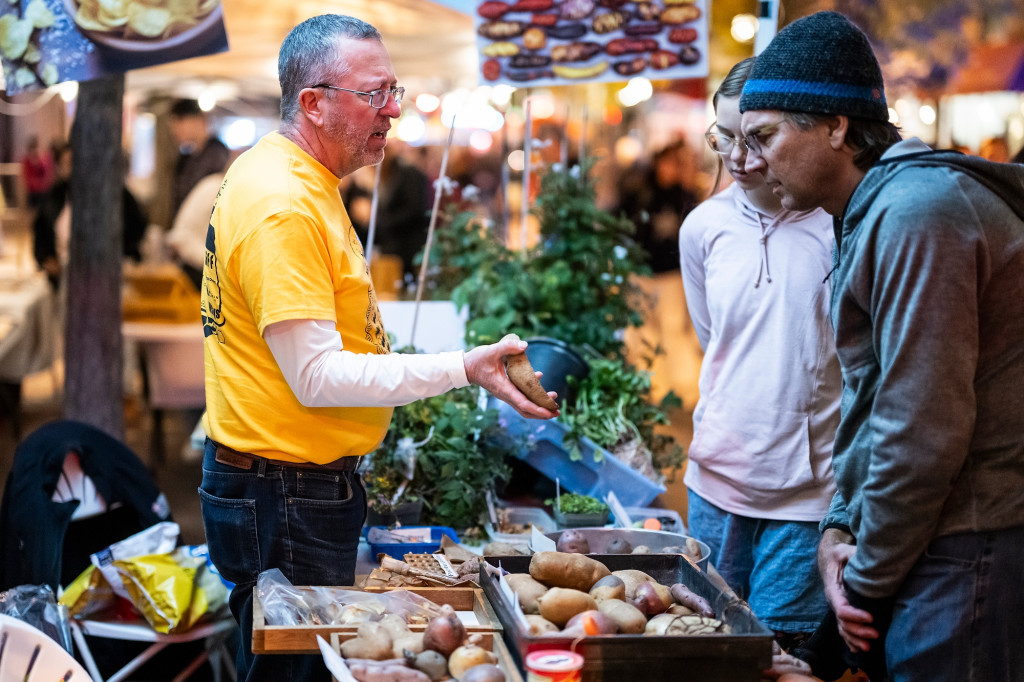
point(485, 367)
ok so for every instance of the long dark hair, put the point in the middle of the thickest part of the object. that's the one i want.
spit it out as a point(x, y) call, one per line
point(731, 86)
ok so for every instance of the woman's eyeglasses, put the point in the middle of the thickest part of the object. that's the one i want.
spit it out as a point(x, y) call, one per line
point(721, 143)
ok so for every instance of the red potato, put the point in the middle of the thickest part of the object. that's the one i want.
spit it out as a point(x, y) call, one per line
point(492, 9)
point(649, 599)
point(592, 622)
point(445, 633)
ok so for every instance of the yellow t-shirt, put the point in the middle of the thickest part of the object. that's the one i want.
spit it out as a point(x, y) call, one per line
point(280, 246)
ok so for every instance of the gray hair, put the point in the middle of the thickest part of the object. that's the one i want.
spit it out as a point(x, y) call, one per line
point(868, 138)
point(309, 55)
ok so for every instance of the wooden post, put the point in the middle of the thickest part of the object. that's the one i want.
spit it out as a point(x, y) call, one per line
point(93, 360)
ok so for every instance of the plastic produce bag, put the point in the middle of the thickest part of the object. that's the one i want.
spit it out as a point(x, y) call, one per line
point(285, 604)
point(37, 606)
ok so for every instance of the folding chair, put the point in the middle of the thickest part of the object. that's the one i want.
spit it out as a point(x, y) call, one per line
point(28, 655)
point(74, 490)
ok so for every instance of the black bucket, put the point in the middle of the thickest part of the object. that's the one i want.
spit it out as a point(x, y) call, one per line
point(558, 361)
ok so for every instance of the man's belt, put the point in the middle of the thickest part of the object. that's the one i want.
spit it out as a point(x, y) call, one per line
point(246, 461)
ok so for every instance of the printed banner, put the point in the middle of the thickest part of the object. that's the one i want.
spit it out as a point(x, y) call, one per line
point(43, 42)
point(562, 42)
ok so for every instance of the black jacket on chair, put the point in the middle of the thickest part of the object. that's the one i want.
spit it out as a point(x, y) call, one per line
point(33, 527)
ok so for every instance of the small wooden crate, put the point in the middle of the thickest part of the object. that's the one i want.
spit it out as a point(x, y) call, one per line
point(301, 639)
point(505, 660)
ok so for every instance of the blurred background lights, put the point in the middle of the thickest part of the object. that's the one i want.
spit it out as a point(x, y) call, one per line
point(542, 105)
point(927, 114)
point(427, 103)
point(411, 128)
point(240, 133)
point(501, 95)
point(470, 109)
point(627, 150)
point(515, 160)
point(894, 118)
point(481, 141)
point(207, 100)
point(637, 90)
point(744, 28)
point(68, 90)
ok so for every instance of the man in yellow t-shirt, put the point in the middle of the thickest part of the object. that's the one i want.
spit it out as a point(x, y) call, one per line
point(300, 381)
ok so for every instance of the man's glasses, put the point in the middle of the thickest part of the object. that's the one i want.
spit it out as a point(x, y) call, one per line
point(757, 139)
point(721, 143)
point(378, 98)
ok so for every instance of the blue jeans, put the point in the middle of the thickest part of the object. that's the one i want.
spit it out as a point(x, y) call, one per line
point(304, 522)
point(959, 616)
point(772, 564)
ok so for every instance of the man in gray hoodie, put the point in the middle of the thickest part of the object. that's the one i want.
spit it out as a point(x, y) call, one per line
point(922, 551)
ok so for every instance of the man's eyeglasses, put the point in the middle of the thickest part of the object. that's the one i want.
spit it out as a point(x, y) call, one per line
point(757, 139)
point(378, 98)
point(721, 143)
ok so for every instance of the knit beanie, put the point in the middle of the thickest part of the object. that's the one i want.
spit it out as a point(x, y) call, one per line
point(820, 64)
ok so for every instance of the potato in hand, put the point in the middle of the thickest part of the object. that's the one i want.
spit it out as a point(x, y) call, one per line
point(522, 375)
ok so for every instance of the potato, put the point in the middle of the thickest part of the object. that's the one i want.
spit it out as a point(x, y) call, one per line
point(527, 590)
point(641, 549)
point(372, 641)
point(632, 578)
point(468, 656)
point(505, 549)
point(411, 642)
point(522, 374)
point(649, 599)
point(618, 546)
point(444, 633)
point(560, 569)
point(559, 604)
point(608, 587)
point(685, 596)
point(539, 625)
point(587, 623)
point(573, 541)
point(693, 549)
point(487, 672)
point(628, 618)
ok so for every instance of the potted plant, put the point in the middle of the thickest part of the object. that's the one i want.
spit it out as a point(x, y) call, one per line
point(578, 511)
point(577, 286)
point(445, 453)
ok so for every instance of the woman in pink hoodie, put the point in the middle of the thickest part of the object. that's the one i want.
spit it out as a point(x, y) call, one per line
point(760, 471)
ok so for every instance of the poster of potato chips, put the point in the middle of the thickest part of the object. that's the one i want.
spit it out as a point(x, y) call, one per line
point(562, 42)
point(43, 42)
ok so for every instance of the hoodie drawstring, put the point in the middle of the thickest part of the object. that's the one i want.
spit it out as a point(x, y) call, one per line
point(764, 270)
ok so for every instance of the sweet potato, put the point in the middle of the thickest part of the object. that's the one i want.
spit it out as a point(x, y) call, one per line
point(682, 594)
point(560, 569)
point(559, 604)
point(522, 374)
point(527, 590)
point(630, 619)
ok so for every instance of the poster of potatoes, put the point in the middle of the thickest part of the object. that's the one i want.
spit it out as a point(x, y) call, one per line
point(43, 42)
point(561, 42)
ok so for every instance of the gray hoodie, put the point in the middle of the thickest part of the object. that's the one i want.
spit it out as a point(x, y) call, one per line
point(928, 309)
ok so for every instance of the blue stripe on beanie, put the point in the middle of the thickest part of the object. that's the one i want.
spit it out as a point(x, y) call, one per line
point(820, 64)
point(809, 88)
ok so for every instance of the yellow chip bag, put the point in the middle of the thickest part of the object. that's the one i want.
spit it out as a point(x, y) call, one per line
point(14, 36)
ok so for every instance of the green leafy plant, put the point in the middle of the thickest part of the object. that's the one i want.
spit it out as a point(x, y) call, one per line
point(574, 503)
point(613, 409)
point(576, 285)
point(459, 454)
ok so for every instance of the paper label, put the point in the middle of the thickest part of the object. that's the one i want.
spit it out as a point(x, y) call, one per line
point(540, 542)
point(509, 595)
point(622, 519)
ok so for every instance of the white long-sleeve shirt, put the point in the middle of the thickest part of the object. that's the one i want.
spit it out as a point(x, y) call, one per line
point(322, 374)
point(758, 293)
